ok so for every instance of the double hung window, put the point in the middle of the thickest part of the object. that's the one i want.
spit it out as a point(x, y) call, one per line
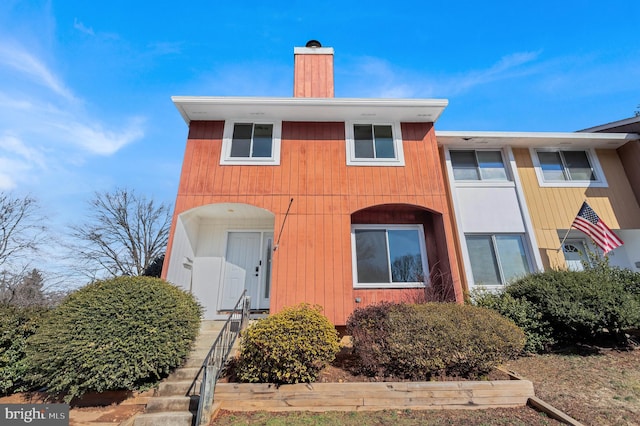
point(389, 255)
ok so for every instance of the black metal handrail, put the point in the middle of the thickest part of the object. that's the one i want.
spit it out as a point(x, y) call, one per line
point(217, 357)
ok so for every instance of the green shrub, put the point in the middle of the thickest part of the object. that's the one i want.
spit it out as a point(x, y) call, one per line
point(419, 342)
point(581, 306)
point(16, 325)
point(122, 333)
point(369, 331)
point(629, 280)
point(523, 313)
point(291, 346)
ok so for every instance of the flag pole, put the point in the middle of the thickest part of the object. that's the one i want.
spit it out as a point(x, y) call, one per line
point(562, 242)
point(569, 230)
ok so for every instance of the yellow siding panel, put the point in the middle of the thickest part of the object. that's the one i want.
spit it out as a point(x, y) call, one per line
point(553, 208)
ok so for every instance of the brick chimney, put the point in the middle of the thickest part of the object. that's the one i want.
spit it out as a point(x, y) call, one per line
point(313, 71)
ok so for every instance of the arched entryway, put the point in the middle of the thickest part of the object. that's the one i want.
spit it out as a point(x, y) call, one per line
point(400, 247)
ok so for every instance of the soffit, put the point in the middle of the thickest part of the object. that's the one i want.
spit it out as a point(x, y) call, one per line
point(564, 140)
point(308, 109)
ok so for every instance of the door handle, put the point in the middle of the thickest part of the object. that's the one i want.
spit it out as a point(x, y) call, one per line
point(257, 270)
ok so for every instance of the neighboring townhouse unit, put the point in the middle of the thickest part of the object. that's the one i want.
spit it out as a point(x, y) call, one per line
point(331, 201)
point(630, 152)
point(347, 202)
point(516, 194)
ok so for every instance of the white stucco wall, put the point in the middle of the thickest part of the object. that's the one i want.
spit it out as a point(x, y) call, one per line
point(486, 209)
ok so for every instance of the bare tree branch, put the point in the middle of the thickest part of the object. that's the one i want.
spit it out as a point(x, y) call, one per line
point(124, 234)
point(21, 227)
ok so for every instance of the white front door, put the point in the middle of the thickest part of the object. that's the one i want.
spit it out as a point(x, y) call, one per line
point(575, 255)
point(245, 268)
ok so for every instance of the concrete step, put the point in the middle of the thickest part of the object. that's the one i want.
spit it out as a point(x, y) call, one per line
point(202, 345)
point(211, 325)
point(164, 419)
point(177, 388)
point(200, 353)
point(193, 361)
point(184, 373)
point(207, 337)
point(161, 404)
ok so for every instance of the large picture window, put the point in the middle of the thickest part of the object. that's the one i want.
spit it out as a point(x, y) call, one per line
point(372, 144)
point(389, 256)
point(478, 165)
point(497, 259)
point(251, 143)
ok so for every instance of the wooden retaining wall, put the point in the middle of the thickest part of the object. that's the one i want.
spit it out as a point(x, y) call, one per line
point(373, 396)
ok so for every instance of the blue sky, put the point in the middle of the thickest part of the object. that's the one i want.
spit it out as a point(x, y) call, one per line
point(85, 86)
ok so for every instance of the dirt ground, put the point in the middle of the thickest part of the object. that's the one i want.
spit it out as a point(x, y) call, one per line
point(108, 408)
point(600, 387)
point(596, 387)
point(498, 416)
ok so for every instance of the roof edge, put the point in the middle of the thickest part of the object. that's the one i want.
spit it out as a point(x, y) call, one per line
point(612, 125)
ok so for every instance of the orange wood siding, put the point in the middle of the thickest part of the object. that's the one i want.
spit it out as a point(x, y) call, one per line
point(552, 209)
point(630, 157)
point(313, 76)
point(313, 262)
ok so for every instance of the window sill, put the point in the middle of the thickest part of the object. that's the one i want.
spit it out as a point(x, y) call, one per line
point(572, 184)
point(387, 285)
point(491, 288)
point(249, 162)
point(374, 162)
point(484, 183)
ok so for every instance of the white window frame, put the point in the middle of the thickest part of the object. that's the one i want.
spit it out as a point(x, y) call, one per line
point(490, 182)
point(386, 227)
point(397, 146)
point(227, 141)
point(493, 236)
point(600, 182)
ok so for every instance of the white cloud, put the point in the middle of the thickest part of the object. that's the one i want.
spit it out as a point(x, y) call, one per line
point(165, 48)
point(13, 145)
point(82, 28)
point(43, 126)
point(95, 139)
point(10, 170)
point(18, 58)
point(507, 67)
point(374, 77)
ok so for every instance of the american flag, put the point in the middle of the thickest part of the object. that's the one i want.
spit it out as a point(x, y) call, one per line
point(588, 222)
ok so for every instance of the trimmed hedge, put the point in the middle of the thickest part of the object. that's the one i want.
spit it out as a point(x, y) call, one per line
point(118, 334)
point(582, 306)
point(16, 325)
point(292, 346)
point(419, 342)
